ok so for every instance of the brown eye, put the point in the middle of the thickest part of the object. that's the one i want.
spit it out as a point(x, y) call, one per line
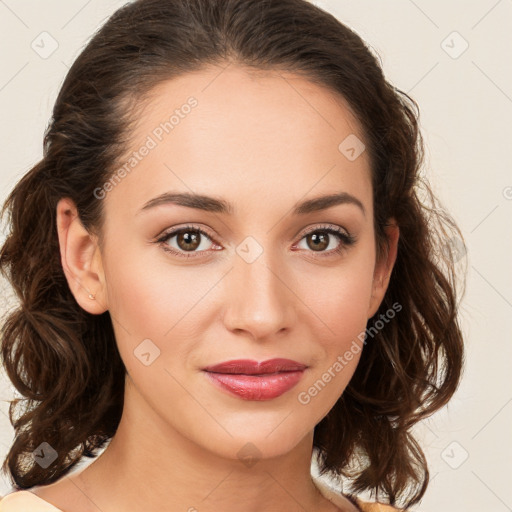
point(319, 240)
point(188, 240)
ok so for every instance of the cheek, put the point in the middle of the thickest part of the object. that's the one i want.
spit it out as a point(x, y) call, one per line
point(340, 297)
point(149, 295)
point(338, 304)
point(340, 314)
point(161, 302)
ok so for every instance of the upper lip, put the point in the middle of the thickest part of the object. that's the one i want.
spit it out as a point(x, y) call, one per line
point(251, 367)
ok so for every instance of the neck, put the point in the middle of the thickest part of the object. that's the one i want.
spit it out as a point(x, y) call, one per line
point(150, 466)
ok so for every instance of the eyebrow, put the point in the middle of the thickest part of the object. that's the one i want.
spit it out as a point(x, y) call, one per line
point(216, 205)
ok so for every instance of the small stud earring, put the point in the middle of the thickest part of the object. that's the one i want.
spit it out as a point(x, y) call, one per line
point(91, 296)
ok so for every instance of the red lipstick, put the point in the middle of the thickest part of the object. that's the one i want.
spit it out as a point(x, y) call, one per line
point(251, 380)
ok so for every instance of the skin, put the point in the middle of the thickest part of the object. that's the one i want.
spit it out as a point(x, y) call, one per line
point(262, 141)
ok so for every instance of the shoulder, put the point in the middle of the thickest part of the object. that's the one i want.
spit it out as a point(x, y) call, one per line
point(340, 499)
point(366, 506)
point(20, 501)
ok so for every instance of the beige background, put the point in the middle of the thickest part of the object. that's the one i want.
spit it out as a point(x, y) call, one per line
point(465, 96)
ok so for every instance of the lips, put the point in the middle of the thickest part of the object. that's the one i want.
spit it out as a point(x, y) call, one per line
point(251, 380)
point(250, 367)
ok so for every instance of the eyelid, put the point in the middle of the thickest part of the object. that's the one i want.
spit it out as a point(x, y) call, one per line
point(166, 233)
point(172, 232)
point(345, 238)
point(320, 227)
point(306, 231)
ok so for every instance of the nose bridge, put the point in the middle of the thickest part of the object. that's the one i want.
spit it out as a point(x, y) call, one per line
point(260, 301)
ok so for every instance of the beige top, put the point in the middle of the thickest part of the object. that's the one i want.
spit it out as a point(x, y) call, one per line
point(26, 501)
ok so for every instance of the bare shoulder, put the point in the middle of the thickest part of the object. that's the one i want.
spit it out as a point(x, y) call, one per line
point(350, 501)
point(21, 501)
point(377, 507)
point(55, 497)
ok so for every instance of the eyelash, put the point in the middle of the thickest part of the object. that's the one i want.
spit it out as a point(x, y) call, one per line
point(344, 237)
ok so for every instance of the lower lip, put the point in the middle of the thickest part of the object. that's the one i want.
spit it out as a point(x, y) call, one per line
point(256, 387)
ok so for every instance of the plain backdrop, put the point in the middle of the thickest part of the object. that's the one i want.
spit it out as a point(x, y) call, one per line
point(453, 58)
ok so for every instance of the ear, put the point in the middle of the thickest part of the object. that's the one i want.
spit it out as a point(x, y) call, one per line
point(384, 267)
point(81, 259)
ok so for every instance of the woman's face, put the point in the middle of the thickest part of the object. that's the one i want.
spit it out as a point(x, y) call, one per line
point(265, 280)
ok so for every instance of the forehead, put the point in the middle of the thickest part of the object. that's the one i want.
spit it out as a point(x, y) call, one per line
point(247, 135)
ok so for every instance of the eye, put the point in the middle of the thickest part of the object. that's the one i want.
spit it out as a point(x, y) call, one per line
point(319, 239)
point(188, 239)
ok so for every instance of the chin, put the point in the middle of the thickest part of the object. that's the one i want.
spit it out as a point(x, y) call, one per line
point(249, 451)
point(252, 442)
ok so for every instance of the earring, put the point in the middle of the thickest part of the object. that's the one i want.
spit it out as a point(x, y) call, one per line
point(91, 296)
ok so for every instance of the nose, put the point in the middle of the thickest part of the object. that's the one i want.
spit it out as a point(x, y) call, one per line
point(259, 298)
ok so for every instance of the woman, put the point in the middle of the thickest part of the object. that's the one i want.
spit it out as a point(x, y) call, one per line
point(224, 268)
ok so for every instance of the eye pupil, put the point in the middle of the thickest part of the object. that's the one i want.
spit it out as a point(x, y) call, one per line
point(188, 240)
point(320, 240)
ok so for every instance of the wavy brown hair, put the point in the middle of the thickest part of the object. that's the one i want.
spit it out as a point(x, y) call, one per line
point(64, 361)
